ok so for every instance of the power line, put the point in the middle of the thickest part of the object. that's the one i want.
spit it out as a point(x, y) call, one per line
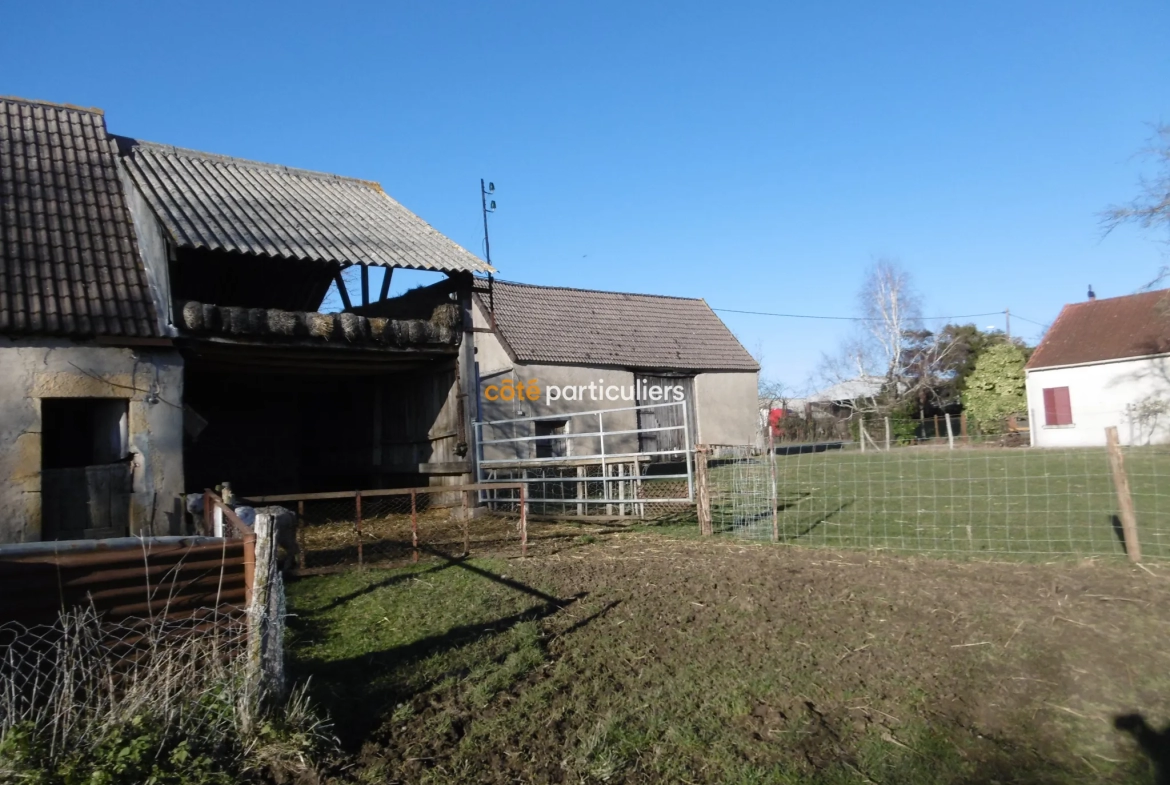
point(1030, 321)
point(860, 318)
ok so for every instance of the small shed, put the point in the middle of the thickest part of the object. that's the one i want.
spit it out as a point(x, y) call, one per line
point(589, 350)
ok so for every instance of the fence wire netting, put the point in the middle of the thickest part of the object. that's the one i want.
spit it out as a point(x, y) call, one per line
point(930, 498)
point(629, 489)
point(83, 673)
point(385, 529)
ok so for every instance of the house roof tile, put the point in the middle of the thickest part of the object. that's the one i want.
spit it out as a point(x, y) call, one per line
point(548, 324)
point(69, 261)
point(1116, 328)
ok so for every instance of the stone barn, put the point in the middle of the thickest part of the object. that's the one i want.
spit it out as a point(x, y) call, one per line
point(161, 331)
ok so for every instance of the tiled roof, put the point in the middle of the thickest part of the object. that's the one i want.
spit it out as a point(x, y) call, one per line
point(1113, 329)
point(546, 324)
point(69, 262)
point(228, 204)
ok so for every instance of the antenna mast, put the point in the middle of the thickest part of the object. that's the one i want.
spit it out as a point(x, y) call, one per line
point(487, 246)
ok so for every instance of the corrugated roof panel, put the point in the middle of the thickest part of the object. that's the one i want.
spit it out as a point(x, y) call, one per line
point(69, 264)
point(228, 204)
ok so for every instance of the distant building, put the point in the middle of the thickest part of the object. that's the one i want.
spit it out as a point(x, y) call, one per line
point(1102, 363)
point(626, 345)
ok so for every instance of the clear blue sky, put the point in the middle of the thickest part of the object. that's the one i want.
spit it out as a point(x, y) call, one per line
point(755, 154)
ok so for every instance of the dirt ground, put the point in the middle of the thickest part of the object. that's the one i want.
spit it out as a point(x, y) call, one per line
point(654, 659)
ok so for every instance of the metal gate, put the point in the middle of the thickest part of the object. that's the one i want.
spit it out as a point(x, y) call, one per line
point(633, 461)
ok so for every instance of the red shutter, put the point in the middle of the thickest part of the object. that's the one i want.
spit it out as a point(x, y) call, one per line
point(1057, 406)
point(1063, 406)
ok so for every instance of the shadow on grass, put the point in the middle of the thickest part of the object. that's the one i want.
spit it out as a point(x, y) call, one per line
point(360, 692)
point(725, 525)
point(1154, 743)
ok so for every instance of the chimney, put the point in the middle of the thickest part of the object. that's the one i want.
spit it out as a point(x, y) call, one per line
point(1092, 294)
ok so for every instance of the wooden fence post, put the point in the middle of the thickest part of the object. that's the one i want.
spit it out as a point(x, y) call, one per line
point(466, 527)
point(950, 432)
point(414, 524)
point(861, 432)
point(265, 623)
point(249, 567)
point(301, 534)
point(887, 434)
point(1124, 500)
point(357, 498)
point(963, 428)
point(208, 527)
point(703, 492)
point(523, 522)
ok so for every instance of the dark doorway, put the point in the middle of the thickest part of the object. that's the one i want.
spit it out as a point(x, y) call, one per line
point(547, 445)
point(86, 475)
point(665, 416)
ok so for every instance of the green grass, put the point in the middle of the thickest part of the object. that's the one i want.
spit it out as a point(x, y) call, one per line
point(368, 641)
point(658, 669)
point(994, 501)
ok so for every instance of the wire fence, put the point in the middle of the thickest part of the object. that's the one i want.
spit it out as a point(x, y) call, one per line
point(632, 489)
point(381, 527)
point(980, 499)
point(83, 671)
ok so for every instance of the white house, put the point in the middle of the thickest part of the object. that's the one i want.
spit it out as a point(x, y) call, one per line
point(1102, 363)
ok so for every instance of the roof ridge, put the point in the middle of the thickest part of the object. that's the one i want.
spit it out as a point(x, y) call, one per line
point(603, 291)
point(126, 145)
point(54, 104)
point(1117, 297)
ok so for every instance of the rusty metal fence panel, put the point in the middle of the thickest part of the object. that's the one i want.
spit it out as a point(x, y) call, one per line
point(388, 526)
point(122, 578)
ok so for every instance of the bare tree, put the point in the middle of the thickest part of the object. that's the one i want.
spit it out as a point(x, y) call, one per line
point(1151, 208)
point(890, 309)
point(773, 393)
point(891, 357)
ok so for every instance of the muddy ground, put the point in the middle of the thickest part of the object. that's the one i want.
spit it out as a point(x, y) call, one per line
point(636, 657)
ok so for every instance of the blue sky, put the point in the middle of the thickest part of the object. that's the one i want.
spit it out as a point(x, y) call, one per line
point(754, 154)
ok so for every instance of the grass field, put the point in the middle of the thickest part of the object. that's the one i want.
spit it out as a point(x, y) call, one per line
point(994, 501)
point(633, 657)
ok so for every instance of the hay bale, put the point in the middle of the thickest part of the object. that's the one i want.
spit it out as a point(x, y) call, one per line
point(211, 320)
point(192, 315)
point(378, 329)
point(355, 328)
point(233, 319)
point(280, 322)
point(445, 315)
point(320, 325)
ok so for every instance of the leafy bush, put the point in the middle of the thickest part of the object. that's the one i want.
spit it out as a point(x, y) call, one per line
point(995, 389)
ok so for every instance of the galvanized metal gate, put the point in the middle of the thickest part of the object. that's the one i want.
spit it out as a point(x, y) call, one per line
point(633, 461)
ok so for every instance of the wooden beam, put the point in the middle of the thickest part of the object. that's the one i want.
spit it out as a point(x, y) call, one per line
point(341, 290)
point(365, 284)
point(385, 293)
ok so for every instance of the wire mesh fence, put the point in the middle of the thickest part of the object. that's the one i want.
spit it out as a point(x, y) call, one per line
point(391, 526)
point(927, 498)
point(633, 489)
point(83, 673)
